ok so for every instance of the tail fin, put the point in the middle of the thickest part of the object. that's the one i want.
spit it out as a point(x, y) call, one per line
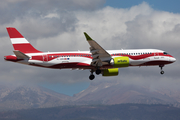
point(19, 42)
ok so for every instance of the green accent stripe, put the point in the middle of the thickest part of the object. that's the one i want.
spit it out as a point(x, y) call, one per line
point(87, 36)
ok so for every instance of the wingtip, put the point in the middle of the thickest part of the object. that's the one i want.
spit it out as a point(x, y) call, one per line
point(87, 36)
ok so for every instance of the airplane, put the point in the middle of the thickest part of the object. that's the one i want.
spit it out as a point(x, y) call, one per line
point(97, 59)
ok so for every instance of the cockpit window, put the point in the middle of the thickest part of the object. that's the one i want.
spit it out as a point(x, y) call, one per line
point(165, 53)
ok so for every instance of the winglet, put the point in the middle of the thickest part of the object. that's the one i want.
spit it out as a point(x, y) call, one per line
point(88, 38)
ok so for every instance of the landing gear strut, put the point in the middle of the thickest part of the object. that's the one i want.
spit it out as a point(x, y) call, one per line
point(91, 77)
point(161, 66)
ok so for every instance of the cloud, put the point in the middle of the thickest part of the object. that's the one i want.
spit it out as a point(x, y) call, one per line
point(19, 8)
point(59, 26)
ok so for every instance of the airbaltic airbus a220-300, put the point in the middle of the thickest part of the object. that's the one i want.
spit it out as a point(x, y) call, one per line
point(98, 60)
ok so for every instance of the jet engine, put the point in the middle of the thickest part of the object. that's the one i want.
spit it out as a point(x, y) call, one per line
point(110, 72)
point(118, 62)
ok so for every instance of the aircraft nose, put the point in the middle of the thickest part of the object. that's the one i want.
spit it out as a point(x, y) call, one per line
point(172, 59)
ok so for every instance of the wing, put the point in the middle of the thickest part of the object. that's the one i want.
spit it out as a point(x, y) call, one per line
point(100, 56)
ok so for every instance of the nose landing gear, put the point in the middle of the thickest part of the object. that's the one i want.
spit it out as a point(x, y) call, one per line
point(161, 66)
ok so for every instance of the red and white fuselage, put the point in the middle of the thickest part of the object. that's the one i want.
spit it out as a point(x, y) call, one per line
point(83, 59)
point(25, 53)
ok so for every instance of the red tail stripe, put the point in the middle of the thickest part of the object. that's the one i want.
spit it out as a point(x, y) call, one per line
point(25, 48)
point(13, 33)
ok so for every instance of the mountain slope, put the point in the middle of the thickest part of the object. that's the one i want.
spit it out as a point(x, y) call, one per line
point(102, 92)
point(31, 97)
point(115, 93)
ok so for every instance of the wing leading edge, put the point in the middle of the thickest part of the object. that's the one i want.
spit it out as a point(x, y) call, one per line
point(100, 56)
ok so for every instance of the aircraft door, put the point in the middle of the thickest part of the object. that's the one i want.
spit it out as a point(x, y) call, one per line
point(156, 55)
point(45, 58)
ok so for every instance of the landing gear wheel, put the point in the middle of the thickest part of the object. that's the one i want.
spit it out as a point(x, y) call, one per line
point(162, 72)
point(98, 71)
point(91, 77)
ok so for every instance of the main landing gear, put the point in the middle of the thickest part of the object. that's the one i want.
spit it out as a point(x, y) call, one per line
point(98, 71)
point(91, 77)
point(161, 66)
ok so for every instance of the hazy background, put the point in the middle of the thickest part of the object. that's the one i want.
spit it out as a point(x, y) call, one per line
point(58, 25)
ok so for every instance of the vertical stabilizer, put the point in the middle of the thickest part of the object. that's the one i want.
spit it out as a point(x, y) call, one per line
point(19, 42)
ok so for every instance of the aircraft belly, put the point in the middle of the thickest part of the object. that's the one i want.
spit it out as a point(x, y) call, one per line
point(23, 62)
point(38, 63)
point(150, 61)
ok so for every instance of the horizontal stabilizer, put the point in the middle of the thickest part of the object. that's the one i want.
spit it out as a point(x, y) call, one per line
point(20, 55)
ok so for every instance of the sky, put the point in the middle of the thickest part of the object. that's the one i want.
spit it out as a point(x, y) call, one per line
point(51, 25)
point(162, 5)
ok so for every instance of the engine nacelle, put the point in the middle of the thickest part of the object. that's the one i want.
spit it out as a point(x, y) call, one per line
point(118, 62)
point(110, 72)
